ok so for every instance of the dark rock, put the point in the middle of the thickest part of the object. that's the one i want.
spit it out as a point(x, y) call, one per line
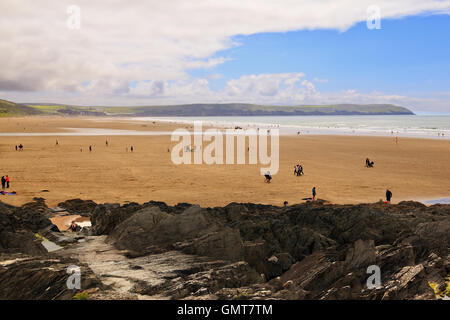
point(356, 236)
point(79, 206)
point(21, 241)
point(18, 225)
point(307, 251)
point(150, 228)
point(409, 282)
point(33, 216)
point(107, 216)
point(225, 244)
point(362, 254)
point(229, 276)
point(31, 278)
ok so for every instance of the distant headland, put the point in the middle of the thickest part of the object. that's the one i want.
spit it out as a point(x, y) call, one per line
point(8, 108)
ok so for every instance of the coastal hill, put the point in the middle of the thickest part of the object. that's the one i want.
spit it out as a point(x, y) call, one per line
point(8, 108)
point(196, 110)
point(236, 109)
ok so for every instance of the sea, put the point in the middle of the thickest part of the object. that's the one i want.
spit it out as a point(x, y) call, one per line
point(417, 126)
point(413, 126)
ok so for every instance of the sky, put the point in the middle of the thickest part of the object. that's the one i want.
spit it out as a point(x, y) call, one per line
point(282, 52)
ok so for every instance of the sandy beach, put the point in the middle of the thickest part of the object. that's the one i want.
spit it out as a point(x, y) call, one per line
point(413, 169)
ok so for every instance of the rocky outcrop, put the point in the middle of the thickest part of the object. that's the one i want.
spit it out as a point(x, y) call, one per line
point(18, 225)
point(27, 270)
point(323, 250)
point(78, 206)
point(250, 251)
point(203, 283)
point(41, 278)
point(106, 217)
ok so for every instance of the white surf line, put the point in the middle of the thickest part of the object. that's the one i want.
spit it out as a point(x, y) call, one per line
point(290, 130)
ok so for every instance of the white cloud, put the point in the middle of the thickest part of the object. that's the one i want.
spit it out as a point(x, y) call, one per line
point(262, 84)
point(153, 44)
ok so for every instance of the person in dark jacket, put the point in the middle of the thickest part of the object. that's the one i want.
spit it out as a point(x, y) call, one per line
point(314, 193)
point(3, 183)
point(267, 177)
point(388, 195)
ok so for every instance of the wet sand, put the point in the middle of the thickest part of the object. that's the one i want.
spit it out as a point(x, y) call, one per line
point(412, 169)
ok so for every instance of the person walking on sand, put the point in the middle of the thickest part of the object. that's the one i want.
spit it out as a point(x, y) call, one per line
point(314, 193)
point(3, 182)
point(267, 177)
point(300, 170)
point(131, 148)
point(90, 148)
point(7, 182)
point(388, 195)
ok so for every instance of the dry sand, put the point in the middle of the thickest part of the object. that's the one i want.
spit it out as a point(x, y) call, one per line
point(414, 169)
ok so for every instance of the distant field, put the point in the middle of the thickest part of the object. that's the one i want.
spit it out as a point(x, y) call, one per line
point(47, 109)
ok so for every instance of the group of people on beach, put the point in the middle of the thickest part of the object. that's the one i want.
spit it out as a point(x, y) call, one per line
point(107, 144)
point(5, 182)
point(298, 170)
point(369, 164)
point(18, 147)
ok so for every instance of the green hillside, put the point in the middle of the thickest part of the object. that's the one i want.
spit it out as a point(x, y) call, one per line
point(261, 110)
point(9, 109)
